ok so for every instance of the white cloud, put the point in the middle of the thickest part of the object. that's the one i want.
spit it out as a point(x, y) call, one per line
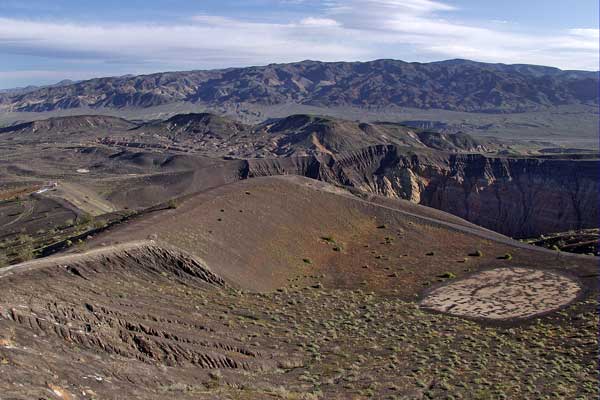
point(587, 33)
point(46, 75)
point(319, 22)
point(425, 26)
point(207, 41)
point(346, 30)
point(387, 6)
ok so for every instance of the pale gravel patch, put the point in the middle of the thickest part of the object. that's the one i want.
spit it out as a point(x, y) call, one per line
point(503, 293)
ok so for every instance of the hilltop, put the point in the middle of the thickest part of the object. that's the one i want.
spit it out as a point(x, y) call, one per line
point(68, 125)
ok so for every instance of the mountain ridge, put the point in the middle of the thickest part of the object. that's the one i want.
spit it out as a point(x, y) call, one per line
point(457, 85)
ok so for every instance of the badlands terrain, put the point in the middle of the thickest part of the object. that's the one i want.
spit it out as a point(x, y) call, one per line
point(543, 104)
point(272, 232)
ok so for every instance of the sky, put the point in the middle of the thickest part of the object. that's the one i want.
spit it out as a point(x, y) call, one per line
point(45, 41)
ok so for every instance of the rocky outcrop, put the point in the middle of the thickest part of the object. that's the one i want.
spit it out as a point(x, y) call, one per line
point(514, 196)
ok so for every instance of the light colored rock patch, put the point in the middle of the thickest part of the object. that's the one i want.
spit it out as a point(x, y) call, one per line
point(503, 293)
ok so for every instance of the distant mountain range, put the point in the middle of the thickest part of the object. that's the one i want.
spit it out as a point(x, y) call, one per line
point(32, 88)
point(458, 85)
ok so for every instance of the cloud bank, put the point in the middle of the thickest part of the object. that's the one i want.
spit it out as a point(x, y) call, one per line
point(342, 30)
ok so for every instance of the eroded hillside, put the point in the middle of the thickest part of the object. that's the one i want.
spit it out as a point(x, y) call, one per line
point(285, 287)
point(522, 195)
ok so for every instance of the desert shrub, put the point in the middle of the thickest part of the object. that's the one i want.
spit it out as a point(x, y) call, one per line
point(307, 260)
point(507, 256)
point(431, 253)
point(328, 239)
point(447, 275)
point(100, 224)
point(24, 252)
point(24, 239)
point(171, 204)
point(215, 375)
point(84, 219)
point(477, 253)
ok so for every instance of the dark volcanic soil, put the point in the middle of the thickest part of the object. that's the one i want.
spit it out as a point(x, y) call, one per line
point(334, 317)
point(184, 272)
point(257, 234)
point(284, 288)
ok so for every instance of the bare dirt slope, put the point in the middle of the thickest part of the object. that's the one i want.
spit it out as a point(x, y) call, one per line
point(284, 288)
point(266, 233)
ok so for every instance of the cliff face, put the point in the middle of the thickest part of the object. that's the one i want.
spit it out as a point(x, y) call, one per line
point(514, 196)
point(517, 197)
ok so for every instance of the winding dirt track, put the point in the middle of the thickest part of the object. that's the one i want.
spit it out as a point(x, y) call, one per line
point(25, 213)
point(174, 258)
point(69, 258)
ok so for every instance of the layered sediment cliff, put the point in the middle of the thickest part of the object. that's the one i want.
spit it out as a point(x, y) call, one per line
point(514, 196)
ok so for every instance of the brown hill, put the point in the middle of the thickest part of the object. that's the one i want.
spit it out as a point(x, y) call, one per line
point(266, 233)
point(195, 126)
point(214, 135)
point(81, 126)
point(519, 196)
point(298, 134)
point(344, 298)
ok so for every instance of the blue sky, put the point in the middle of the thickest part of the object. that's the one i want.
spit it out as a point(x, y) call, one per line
point(43, 42)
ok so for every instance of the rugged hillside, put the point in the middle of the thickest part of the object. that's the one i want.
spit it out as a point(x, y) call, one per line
point(191, 126)
point(453, 85)
point(289, 288)
point(318, 134)
point(301, 134)
point(518, 196)
point(68, 125)
point(515, 196)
